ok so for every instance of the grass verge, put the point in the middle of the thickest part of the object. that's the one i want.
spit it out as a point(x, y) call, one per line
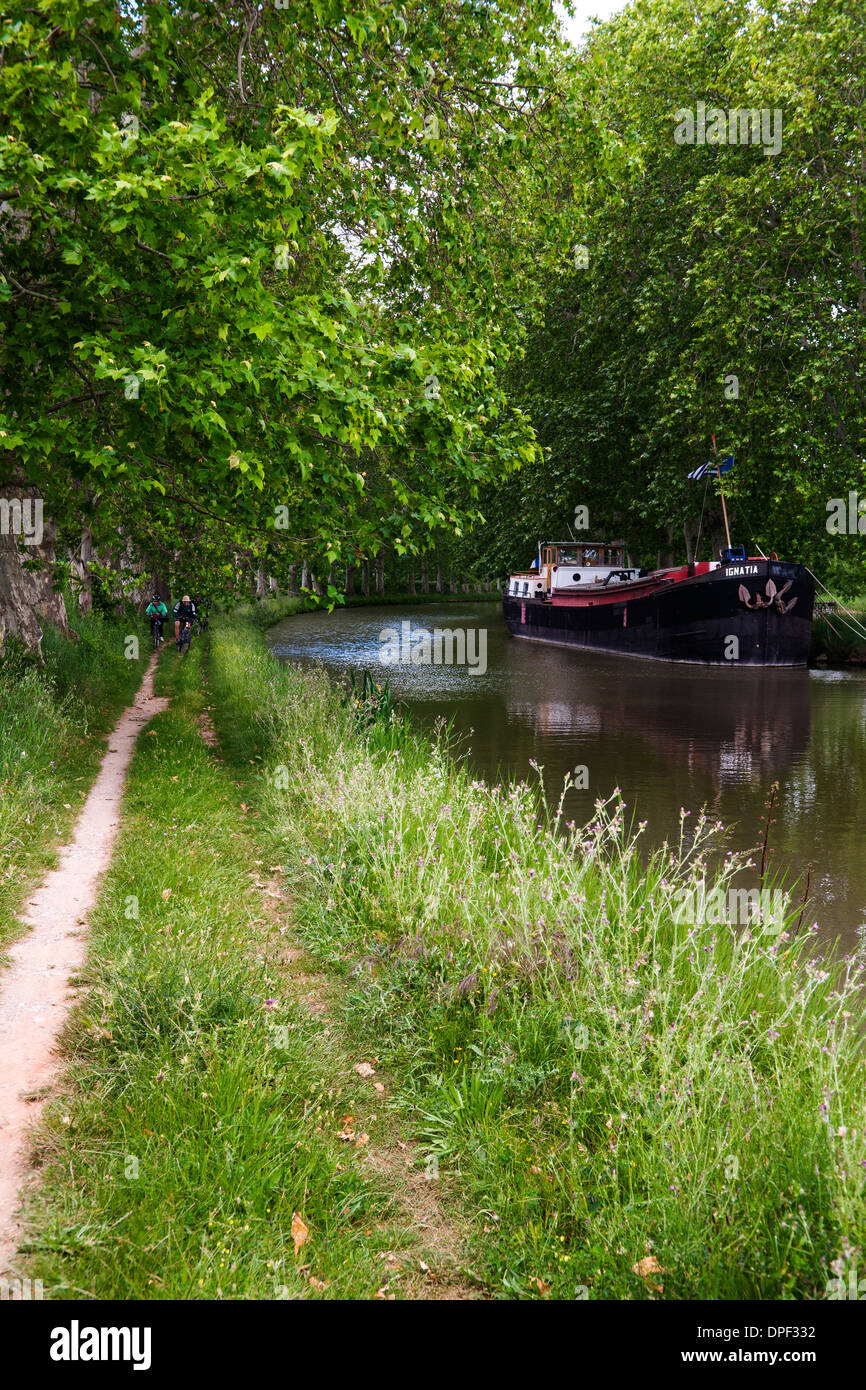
point(631, 1106)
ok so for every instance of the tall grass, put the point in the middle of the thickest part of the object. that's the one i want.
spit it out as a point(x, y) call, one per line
point(835, 638)
point(53, 719)
point(635, 1106)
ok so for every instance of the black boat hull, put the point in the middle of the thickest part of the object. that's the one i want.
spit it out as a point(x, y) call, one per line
point(704, 619)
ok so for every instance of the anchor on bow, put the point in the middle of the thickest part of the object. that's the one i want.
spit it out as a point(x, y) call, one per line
point(773, 597)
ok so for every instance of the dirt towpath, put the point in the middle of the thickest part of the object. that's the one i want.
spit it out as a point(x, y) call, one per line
point(34, 990)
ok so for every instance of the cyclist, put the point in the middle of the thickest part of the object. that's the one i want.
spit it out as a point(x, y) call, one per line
point(182, 612)
point(157, 612)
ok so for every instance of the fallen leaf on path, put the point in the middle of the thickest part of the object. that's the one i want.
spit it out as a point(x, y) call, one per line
point(346, 1134)
point(361, 1140)
point(319, 1284)
point(543, 1289)
point(364, 1069)
point(300, 1233)
point(385, 1295)
point(379, 1087)
point(166, 893)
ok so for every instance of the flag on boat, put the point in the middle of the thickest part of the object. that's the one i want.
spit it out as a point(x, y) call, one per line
point(706, 469)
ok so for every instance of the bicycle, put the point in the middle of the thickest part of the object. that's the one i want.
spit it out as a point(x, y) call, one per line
point(156, 632)
point(185, 636)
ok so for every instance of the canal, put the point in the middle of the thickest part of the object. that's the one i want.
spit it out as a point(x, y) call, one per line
point(667, 736)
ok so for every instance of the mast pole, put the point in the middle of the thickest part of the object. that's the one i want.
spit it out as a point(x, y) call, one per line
point(722, 492)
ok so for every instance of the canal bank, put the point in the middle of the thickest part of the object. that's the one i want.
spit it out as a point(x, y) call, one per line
point(629, 1105)
point(669, 737)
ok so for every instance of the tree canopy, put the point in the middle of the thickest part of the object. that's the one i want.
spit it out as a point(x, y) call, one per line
point(299, 281)
point(263, 266)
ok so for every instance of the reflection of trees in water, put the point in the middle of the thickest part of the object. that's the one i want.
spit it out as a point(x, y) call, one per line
point(823, 801)
point(556, 717)
point(726, 731)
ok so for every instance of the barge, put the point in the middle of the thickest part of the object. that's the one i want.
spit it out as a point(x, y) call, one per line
point(738, 610)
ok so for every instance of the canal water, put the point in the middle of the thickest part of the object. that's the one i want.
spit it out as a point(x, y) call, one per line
point(668, 736)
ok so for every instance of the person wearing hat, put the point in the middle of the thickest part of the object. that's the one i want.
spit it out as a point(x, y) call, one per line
point(181, 612)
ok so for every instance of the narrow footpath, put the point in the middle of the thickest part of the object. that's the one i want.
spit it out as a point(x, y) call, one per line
point(36, 991)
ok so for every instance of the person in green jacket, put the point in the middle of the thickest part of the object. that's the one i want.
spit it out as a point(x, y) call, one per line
point(157, 612)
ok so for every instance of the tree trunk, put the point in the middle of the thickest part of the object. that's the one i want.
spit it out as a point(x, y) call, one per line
point(380, 574)
point(438, 579)
point(81, 571)
point(261, 583)
point(412, 589)
point(305, 576)
point(425, 576)
point(159, 586)
point(669, 553)
point(293, 578)
point(26, 596)
point(365, 579)
point(350, 581)
point(689, 538)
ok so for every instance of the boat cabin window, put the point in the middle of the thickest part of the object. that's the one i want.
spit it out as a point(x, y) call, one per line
point(610, 556)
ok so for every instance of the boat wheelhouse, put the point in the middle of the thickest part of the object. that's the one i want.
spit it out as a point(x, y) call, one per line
point(568, 566)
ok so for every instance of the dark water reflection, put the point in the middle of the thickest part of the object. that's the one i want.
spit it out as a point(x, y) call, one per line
point(668, 736)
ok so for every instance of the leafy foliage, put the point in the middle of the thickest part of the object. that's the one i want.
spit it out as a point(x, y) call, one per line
point(706, 263)
point(260, 288)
